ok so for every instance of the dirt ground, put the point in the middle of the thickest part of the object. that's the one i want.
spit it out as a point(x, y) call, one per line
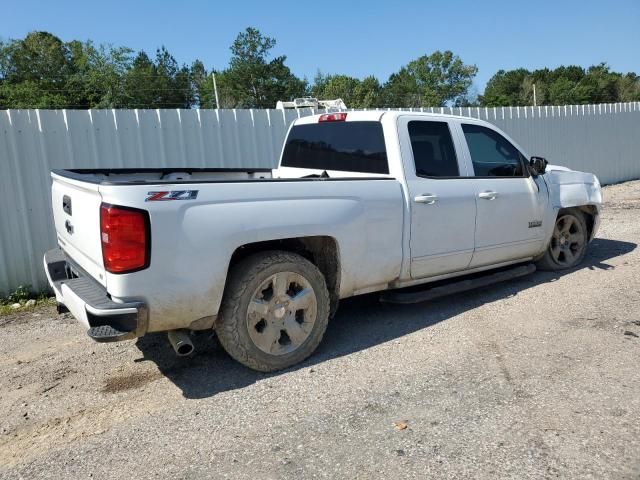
point(535, 378)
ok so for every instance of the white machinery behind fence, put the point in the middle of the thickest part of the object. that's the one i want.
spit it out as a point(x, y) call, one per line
point(310, 102)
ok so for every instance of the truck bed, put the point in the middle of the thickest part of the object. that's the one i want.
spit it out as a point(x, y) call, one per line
point(191, 242)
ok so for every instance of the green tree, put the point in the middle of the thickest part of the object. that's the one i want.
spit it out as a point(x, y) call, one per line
point(34, 71)
point(601, 83)
point(158, 84)
point(202, 85)
point(354, 92)
point(254, 81)
point(629, 88)
point(565, 85)
point(506, 88)
point(96, 73)
point(402, 90)
point(369, 93)
point(139, 83)
point(431, 80)
point(41, 71)
point(173, 82)
point(562, 92)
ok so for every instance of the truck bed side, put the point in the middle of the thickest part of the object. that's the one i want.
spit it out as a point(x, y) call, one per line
point(193, 241)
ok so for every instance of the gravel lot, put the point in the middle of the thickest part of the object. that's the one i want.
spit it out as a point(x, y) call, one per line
point(536, 378)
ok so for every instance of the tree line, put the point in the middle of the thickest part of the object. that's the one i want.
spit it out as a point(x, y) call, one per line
point(42, 71)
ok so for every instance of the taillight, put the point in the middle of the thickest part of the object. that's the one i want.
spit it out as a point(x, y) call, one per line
point(125, 238)
point(333, 117)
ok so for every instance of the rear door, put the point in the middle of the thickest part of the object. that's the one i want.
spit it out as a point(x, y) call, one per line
point(510, 203)
point(442, 205)
point(76, 213)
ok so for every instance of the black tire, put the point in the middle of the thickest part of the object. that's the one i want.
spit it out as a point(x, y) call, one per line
point(563, 253)
point(232, 325)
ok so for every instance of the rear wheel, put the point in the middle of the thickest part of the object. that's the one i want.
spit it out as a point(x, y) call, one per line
point(275, 311)
point(568, 244)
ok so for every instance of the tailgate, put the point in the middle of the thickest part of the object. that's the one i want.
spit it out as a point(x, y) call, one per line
point(76, 214)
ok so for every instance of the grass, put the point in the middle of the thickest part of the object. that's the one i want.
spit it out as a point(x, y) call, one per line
point(46, 301)
point(22, 295)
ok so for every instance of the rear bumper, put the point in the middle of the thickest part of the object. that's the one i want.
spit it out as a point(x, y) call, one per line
point(89, 302)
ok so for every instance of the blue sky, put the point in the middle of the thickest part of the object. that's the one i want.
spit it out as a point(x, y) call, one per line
point(354, 38)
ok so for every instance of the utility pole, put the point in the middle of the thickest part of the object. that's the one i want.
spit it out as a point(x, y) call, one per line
point(535, 103)
point(215, 89)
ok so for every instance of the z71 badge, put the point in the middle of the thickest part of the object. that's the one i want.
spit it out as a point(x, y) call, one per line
point(173, 195)
point(535, 223)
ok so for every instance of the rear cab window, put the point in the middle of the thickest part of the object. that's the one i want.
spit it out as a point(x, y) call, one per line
point(340, 146)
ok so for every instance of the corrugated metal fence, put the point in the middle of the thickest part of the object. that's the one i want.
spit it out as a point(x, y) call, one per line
point(604, 139)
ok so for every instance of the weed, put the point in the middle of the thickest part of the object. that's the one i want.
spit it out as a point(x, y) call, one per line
point(21, 295)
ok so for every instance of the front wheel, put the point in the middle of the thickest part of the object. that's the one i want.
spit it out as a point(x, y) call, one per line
point(274, 312)
point(568, 244)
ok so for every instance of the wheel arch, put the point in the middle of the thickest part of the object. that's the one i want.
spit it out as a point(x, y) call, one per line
point(322, 251)
point(590, 213)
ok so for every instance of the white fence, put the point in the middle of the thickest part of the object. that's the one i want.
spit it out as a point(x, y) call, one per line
point(604, 139)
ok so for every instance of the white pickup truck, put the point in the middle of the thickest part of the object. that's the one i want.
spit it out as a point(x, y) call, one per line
point(361, 202)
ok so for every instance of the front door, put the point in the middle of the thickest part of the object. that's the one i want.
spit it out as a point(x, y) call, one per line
point(510, 203)
point(442, 206)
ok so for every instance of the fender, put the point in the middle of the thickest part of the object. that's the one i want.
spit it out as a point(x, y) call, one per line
point(570, 188)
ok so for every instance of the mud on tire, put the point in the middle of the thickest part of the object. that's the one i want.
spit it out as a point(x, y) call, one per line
point(274, 311)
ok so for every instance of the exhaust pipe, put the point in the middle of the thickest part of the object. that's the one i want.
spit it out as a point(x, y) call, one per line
point(181, 342)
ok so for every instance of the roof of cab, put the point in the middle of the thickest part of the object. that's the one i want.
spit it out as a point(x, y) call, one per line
point(376, 116)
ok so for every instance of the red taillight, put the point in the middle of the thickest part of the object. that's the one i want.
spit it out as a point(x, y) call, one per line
point(124, 232)
point(333, 117)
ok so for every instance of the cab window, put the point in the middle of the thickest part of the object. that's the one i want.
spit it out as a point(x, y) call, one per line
point(433, 151)
point(343, 146)
point(492, 155)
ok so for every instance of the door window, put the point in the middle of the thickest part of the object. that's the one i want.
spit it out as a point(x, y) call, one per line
point(433, 151)
point(492, 155)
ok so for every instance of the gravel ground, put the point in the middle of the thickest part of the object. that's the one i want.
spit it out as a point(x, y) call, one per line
point(536, 378)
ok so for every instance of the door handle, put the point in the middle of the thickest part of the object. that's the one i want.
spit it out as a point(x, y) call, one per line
point(427, 198)
point(488, 195)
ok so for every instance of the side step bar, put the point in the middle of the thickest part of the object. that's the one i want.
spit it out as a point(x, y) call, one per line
point(398, 296)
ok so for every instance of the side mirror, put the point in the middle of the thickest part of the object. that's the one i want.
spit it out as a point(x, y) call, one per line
point(538, 165)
